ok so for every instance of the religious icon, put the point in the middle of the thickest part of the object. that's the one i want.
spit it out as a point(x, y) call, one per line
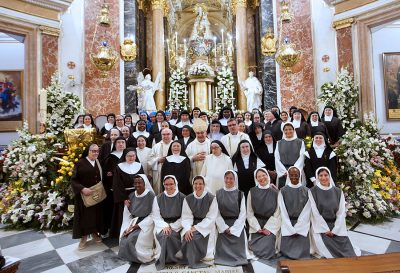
point(11, 94)
point(391, 74)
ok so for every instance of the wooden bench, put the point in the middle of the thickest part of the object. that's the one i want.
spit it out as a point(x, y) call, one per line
point(386, 263)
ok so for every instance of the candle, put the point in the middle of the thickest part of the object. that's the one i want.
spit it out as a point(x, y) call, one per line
point(184, 47)
point(167, 46)
point(43, 104)
point(176, 44)
point(223, 46)
point(215, 50)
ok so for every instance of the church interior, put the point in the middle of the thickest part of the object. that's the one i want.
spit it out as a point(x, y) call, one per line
point(64, 58)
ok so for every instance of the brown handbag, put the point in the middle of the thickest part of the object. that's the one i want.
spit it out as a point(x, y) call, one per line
point(98, 195)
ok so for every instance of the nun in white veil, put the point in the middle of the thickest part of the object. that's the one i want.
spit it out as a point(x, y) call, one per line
point(231, 246)
point(136, 238)
point(295, 212)
point(263, 216)
point(167, 211)
point(328, 218)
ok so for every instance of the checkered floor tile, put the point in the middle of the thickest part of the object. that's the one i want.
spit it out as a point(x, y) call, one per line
point(58, 252)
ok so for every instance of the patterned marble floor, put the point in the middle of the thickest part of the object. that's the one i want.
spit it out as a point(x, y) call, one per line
point(58, 253)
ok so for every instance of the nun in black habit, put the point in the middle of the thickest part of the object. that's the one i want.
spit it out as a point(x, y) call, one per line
point(231, 246)
point(166, 213)
point(333, 124)
point(177, 163)
point(295, 212)
point(266, 152)
point(319, 155)
point(123, 186)
point(245, 162)
point(316, 125)
point(263, 216)
point(300, 124)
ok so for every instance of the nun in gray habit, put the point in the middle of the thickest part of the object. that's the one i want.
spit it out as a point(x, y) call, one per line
point(136, 239)
point(231, 247)
point(167, 210)
point(295, 209)
point(328, 218)
point(199, 212)
point(263, 216)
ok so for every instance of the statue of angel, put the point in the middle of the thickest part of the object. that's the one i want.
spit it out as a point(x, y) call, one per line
point(146, 90)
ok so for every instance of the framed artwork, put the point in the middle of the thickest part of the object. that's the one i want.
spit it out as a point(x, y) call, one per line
point(391, 78)
point(11, 99)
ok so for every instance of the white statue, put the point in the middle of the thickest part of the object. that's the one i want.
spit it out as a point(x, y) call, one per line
point(146, 90)
point(253, 91)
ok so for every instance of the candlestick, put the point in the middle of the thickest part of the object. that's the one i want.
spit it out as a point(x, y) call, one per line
point(215, 51)
point(167, 47)
point(184, 48)
point(223, 46)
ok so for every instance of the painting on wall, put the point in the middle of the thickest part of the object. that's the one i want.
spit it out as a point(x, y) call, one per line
point(11, 98)
point(391, 76)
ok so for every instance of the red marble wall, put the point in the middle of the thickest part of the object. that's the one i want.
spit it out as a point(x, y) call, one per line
point(297, 88)
point(49, 58)
point(102, 95)
point(345, 48)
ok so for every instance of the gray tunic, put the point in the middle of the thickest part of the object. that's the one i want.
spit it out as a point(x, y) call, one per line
point(195, 250)
point(263, 203)
point(295, 246)
point(171, 211)
point(289, 152)
point(327, 202)
point(140, 207)
point(230, 250)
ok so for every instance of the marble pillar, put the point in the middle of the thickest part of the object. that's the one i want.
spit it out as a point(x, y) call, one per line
point(297, 88)
point(101, 95)
point(158, 55)
point(131, 69)
point(345, 47)
point(266, 66)
point(49, 58)
point(242, 57)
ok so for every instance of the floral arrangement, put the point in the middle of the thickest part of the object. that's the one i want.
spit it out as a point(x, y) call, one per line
point(200, 69)
point(225, 88)
point(177, 90)
point(343, 96)
point(367, 174)
point(61, 107)
point(394, 146)
point(36, 190)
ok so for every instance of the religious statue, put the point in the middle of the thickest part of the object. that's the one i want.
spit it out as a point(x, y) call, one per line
point(201, 39)
point(253, 91)
point(145, 90)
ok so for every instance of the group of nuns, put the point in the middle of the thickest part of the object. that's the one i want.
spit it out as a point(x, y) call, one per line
point(202, 229)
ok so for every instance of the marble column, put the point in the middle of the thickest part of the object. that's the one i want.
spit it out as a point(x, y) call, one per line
point(49, 57)
point(266, 65)
point(131, 69)
point(242, 56)
point(344, 36)
point(101, 95)
point(158, 55)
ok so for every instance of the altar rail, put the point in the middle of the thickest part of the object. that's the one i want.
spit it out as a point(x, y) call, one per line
point(386, 263)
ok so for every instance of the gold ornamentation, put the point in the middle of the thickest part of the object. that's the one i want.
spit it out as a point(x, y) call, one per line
point(238, 4)
point(105, 59)
point(286, 16)
point(76, 136)
point(128, 50)
point(288, 56)
point(326, 69)
point(268, 43)
point(343, 23)
point(104, 17)
point(50, 31)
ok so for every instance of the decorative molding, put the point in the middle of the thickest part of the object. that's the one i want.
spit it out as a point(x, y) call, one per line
point(58, 5)
point(343, 23)
point(49, 31)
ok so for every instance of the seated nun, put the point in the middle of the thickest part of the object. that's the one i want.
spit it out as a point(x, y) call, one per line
point(295, 211)
point(167, 210)
point(199, 212)
point(136, 238)
point(263, 216)
point(328, 218)
point(231, 247)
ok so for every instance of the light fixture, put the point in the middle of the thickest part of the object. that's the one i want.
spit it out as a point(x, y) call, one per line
point(287, 55)
point(104, 17)
point(105, 58)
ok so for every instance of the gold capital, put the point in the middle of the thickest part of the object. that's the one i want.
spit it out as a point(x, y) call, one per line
point(50, 30)
point(157, 4)
point(343, 23)
point(238, 4)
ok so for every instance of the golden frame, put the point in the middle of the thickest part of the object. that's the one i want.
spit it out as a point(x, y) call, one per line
point(391, 79)
point(12, 123)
